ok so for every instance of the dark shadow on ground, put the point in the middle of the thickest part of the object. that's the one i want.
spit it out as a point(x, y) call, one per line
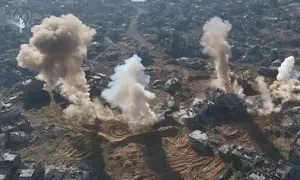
point(35, 97)
point(168, 121)
point(261, 138)
point(228, 109)
point(156, 158)
point(36, 103)
point(95, 159)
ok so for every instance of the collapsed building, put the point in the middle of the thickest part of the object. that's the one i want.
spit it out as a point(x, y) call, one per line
point(272, 171)
point(255, 166)
point(34, 95)
point(199, 142)
point(217, 108)
point(96, 81)
point(12, 167)
point(9, 164)
point(245, 159)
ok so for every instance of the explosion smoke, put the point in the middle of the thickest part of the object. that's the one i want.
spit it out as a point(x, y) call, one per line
point(288, 90)
point(268, 105)
point(127, 91)
point(287, 87)
point(285, 69)
point(215, 44)
point(57, 50)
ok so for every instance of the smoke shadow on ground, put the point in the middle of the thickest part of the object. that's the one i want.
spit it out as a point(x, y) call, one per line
point(152, 148)
point(95, 159)
point(156, 158)
point(37, 105)
point(91, 154)
point(245, 121)
point(228, 109)
point(34, 96)
point(260, 137)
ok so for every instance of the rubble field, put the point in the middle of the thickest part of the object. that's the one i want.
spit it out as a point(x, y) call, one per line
point(202, 132)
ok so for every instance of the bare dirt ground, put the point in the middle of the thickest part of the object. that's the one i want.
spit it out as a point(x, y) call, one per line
point(161, 152)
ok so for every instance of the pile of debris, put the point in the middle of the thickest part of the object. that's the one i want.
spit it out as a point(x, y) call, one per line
point(9, 165)
point(12, 167)
point(217, 108)
point(97, 81)
point(245, 161)
point(15, 130)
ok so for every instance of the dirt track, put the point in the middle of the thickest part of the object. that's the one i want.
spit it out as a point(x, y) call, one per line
point(133, 31)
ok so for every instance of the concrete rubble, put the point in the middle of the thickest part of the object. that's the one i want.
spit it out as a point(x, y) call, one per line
point(63, 172)
point(18, 139)
point(191, 63)
point(31, 174)
point(97, 81)
point(225, 152)
point(199, 141)
point(172, 85)
point(164, 33)
point(272, 171)
point(216, 108)
point(9, 164)
point(245, 159)
point(290, 122)
point(14, 120)
point(12, 168)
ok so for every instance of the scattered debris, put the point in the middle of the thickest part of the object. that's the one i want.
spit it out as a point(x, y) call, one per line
point(172, 85)
point(272, 171)
point(18, 139)
point(245, 159)
point(199, 141)
point(225, 152)
point(192, 63)
point(166, 35)
point(34, 174)
point(10, 160)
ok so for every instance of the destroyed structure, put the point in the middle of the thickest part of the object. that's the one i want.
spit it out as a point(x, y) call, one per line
point(166, 35)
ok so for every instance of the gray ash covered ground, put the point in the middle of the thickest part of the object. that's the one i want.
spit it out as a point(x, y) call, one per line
point(166, 35)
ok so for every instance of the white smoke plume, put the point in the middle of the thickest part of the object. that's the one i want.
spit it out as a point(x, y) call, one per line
point(238, 89)
point(57, 50)
point(287, 87)
point(288, 90)
point(268, 105)
point(285, 69)
point(215, 44)
point(127, 91)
